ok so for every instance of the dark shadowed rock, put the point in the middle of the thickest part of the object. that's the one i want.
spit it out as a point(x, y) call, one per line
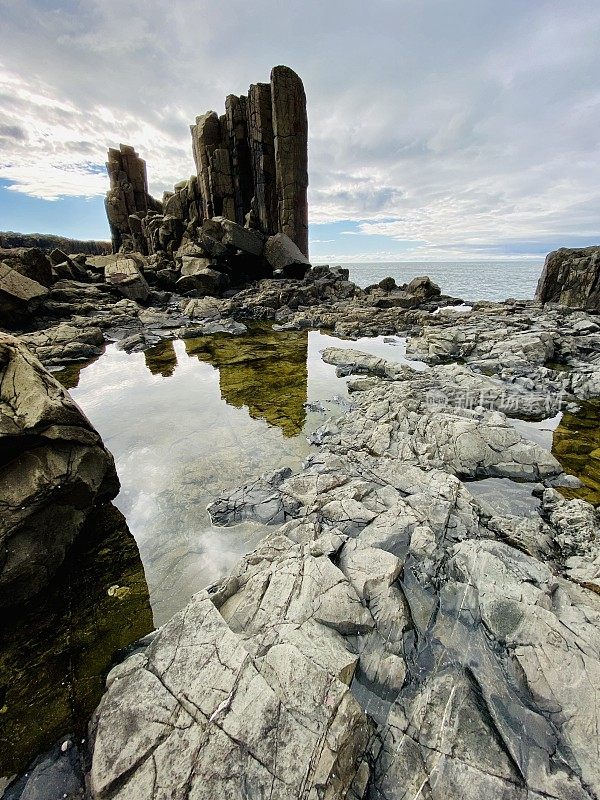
point(202, 281)
point(423, 288)
point(31, 262)
point(571, 278)
point(19, 296)
point(53, 468)
point(290, 128)
point(128, 195)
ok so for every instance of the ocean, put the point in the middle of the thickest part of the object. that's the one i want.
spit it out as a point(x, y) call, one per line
point(469, 280)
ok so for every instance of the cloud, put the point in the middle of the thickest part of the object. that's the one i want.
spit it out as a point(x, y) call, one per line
point(468, 126)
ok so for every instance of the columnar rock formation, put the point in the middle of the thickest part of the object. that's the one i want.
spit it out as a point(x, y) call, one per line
point(128, 196)
point(252, 169)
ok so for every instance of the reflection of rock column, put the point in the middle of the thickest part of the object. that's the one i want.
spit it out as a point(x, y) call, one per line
point(290, 128)
point(162, 359)
point(267, 372)
point(54, 657)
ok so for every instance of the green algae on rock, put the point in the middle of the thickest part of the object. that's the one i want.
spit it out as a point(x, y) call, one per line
point(55, 654)
point(576, 444)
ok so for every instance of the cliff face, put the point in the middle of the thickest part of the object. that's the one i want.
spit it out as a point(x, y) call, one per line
point(251, 165)
point(571, 278)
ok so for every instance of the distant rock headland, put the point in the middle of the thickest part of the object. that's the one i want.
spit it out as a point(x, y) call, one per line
point(47, 241)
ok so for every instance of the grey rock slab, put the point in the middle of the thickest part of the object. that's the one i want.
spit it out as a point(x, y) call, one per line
point(53, 470)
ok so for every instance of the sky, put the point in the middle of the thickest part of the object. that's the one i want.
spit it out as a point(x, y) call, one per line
point(438, 129)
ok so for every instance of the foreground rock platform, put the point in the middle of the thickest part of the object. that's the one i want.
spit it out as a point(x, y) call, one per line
point(398, 635)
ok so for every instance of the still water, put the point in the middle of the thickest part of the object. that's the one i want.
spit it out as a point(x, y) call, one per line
point(193, 418)
point(186, 421)
point(469, 280)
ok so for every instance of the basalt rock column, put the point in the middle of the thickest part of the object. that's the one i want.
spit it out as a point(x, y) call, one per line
point(236, 113)
point(213, 165)
point(128, 193)
point(262, 151)
point(290, 129)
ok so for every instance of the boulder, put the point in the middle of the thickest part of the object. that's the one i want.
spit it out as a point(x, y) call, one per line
point(125, 275)
point(283, 254)
point(387, 284)
point(571, 277)
point(192, 265)
point(423, 288)
point(30, 262)
point(239, 238)
point(20, 296)
point(53, 469)
point(203, 282)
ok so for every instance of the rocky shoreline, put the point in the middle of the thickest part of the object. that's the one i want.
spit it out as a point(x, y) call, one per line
point(394, 634)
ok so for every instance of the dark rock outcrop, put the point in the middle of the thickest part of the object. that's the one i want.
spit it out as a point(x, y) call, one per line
point(290, 129)
point(53, 469)
point(252, 171)
point(20, 296)
point(128, 197)
point(571, 278)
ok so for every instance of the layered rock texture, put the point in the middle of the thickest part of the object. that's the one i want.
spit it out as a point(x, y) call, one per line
point(53, 470)
point(572, 278)
point(396, 636)
point(252, 175)
point(128, 201)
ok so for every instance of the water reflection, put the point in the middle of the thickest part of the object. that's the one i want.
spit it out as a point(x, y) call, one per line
point(161, 359)
point(54, 656)
point(576, 444)
point(265, 372)
point(188, 420)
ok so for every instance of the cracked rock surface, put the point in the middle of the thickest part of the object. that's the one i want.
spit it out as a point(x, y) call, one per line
point(461, 645)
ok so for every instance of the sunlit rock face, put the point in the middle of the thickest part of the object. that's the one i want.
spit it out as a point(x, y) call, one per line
point(54, 654)
point(53, 470)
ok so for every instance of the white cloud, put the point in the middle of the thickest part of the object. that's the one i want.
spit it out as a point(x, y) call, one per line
point(462, 126)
